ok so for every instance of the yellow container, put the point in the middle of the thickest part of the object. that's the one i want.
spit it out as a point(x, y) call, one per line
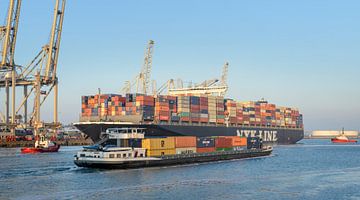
point(158, 143)
point(160, 152)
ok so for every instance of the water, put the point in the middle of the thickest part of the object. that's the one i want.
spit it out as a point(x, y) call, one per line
point(314, 169)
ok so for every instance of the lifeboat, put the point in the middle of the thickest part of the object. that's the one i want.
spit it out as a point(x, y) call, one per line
point(342, 139)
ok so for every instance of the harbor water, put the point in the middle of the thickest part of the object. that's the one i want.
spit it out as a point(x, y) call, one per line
point(312, 169)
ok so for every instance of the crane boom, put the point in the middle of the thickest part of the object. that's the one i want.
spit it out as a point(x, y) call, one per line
point(54, 44)
point(145, 73)
point(10, 34)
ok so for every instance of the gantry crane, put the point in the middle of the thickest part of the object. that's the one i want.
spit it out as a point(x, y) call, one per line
point(142, 80)
point(208, 87)
point(40, 74)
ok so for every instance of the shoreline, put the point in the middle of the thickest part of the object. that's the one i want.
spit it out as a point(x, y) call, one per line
point(14, 144)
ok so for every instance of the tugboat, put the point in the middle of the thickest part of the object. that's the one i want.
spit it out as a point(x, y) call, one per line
point(42, 145)
point(342, 139)
point(111, 152)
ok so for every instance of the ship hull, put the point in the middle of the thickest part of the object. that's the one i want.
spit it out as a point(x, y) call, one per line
point(171, 160)
point(268, 134)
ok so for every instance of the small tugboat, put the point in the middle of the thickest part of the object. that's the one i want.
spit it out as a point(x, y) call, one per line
point(342, 139)
point(110, 153)
point(42, 145)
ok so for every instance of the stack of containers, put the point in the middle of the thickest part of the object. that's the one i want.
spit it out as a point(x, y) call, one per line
point(249, 113)
point(246, 114)
point(205, 144)
point(103, 100)
point(130, 108)
point(267, 112)
point(212, 109)
point(288, 120)
point(173, 108)
point(282, 116)
point(299, 121)
point(278, 117)
point(159, 146)
point(295, 115)
point(220, 115)
point(89, 106)
point(257, 114)
point(204, 112)
point(162, 110)
point(230, 143)
point(194, 109)
point(145, 106)
point(115, 103)
point(230, 107)
point(183, 108)
point(272, 108)
point(185, 145)
point(239, 113)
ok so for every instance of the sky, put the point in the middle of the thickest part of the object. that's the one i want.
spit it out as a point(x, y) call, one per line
point(302, 54)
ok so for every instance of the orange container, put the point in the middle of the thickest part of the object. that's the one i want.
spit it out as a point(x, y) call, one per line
point(205, 149)
point(186, 141)
point(238, 141)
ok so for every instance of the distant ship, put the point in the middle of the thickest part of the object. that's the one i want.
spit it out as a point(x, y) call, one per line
point(342, 139)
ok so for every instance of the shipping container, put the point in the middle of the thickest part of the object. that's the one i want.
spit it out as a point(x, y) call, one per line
point(205, 142)
point(185, 141)
point(160, 152)
point(205, 149)
point(223, 142)
point(185, 150)
point(158, 143)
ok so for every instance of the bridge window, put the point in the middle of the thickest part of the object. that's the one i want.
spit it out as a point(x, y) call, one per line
point(111, 156)
point(118, 155)
point(124, 155)
point(141, 155)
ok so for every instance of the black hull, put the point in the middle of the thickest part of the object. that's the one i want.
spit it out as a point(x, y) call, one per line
point(177, 160)
point(268, 134)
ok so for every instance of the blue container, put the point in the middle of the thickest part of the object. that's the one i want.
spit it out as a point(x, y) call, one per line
point(204, 111)
point(194, 100)
point(175, 118)
point(205, 142)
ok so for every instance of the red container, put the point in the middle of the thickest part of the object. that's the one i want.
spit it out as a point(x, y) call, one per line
point(223, 142)
point(185, 119)
point(205, 149)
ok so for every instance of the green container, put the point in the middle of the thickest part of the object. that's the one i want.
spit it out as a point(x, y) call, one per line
point(224, 149)
point(184, 114)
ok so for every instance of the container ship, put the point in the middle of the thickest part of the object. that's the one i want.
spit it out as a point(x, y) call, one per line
point(190, 115)
point(197, 110)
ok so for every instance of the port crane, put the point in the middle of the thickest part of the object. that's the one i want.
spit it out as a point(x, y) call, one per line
point(39, 75)
point(207, 87)
point(142, 80)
